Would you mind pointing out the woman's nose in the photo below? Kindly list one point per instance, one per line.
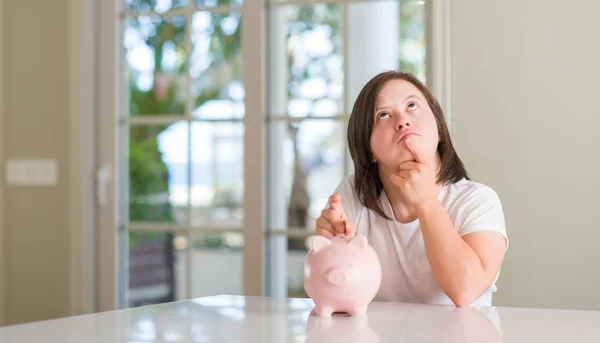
(402, 122)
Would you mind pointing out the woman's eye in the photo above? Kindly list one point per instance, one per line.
(412, 106)
(383, 115)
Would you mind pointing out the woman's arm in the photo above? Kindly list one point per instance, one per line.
(464, 267)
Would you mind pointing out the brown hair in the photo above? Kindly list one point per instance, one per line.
(367, 183)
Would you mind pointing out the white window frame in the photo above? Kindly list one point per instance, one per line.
(82, 114)
(95, 227)
(438, 30)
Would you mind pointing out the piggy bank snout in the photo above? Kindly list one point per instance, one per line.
(337, 277)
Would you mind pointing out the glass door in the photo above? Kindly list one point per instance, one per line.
(320, 54)
(180, 150)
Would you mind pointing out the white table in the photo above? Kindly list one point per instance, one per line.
(256, 319)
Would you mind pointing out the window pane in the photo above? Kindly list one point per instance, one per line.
(295, 265)
(412, 37)
(153, 266)
(313, 45)
(159, 6)
(215, 3)
(217, 174)
(155, 61)
(306, 163)
(158, 174)
(216, 65)
(217, 261)
(159, 266)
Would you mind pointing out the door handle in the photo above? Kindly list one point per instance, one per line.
(103, 179)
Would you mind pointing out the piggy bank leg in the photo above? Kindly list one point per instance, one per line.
(324, 311)
(358, 311)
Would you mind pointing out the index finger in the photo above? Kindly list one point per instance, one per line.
(335, 200)
(418, 156)
(335, 203)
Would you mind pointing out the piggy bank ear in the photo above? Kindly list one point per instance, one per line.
(360, 242)
(319, 242)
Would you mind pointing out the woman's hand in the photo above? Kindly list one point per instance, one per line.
(416, 180)
(333, 220)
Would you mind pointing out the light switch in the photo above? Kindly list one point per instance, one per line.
(31, 172)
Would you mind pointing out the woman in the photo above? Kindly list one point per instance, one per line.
(440, 237)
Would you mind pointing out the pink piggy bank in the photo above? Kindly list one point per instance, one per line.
(341, 274)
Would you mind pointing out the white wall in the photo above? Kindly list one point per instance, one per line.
(525, 79)
(2, 257)
(35, 122)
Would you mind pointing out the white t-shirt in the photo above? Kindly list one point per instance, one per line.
(406, 272)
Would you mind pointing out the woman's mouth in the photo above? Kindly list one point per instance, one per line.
(406, 135)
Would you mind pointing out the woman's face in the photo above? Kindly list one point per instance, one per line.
(401, 112)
